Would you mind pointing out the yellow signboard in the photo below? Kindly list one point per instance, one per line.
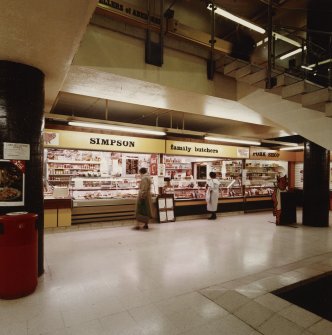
(259, 153)
(104, 142)
(205, 150)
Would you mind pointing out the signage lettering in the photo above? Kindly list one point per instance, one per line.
(214, 151)
(196, 149)
(180, 148)
(112, 4)
(265, 154)
(118, 143)
(130, 11)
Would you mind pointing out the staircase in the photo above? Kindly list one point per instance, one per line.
(298, 105)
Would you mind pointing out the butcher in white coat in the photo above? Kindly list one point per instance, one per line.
(212, 195)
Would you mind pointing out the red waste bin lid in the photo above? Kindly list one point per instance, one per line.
(14, 216)
(16, 213)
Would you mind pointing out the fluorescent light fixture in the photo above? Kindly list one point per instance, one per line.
(299, 147)
(231, 140)
(279, 37)
(292, 53)
(289, 144)
(329, 60)
(116, 128)
(265, 40)
(237, 19)
(286, 39)
(306, 67)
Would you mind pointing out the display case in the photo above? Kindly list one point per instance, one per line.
(229, 174)
(103, 188)
(62, 165)
(230, 188)
(188, 187)
(260, 176)
(177, 167)
(94, 174)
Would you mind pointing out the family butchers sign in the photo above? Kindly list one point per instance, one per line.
(205, 149)
(123, 8)
(104, 142)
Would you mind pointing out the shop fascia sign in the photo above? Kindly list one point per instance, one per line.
(205, 149)
(120, 7)
(104, 142)
(261, 153)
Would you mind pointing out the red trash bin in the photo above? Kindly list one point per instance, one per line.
(18, 255)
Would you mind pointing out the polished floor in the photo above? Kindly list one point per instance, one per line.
(196, 277)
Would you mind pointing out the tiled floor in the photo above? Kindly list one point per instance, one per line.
(192, 277)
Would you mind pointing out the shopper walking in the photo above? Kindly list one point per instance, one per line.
(212, 195)
(144, 200)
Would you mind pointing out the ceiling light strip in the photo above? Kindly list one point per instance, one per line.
(289, 144)
(231, 140)
(287, 39)
(292, 53)
(306, 67)
(329, 60)
(279, 37)
(299, 147)
(116, 128)
(236, 19)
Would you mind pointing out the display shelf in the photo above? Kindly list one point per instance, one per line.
(196, 189)
(60, 171)
(229, 173)
(103, 188)
(63, 164)
(57, 161)
(261, 177)
(230, 188)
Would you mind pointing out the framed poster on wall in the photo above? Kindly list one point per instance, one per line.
(12, 182)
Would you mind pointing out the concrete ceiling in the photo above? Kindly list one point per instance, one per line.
(47, 35)
(44, 34)
(98, 108)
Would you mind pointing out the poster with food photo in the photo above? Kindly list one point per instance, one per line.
(12, 182)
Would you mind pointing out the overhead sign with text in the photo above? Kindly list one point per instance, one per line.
(205, 149)
(270, 154)
(104, 142)
(126, 9)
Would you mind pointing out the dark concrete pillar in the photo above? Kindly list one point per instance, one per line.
(316, 185)
(22, 121)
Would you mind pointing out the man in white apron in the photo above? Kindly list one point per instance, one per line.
(212, 195)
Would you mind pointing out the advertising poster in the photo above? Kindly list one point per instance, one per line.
(154, 165)
(12, 182)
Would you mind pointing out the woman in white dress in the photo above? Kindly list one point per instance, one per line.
(212, 195)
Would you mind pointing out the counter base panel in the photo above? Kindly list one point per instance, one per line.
(193, 207)
(50, 218)
(64, 217)
(91, 214)
(253, 204)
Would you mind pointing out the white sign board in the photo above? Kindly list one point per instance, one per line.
(16, 151)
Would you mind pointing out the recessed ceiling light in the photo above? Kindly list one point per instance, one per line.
(231, 140)
(116, 128)
(236, 19)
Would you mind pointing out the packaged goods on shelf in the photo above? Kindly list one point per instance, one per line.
(95, 175)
